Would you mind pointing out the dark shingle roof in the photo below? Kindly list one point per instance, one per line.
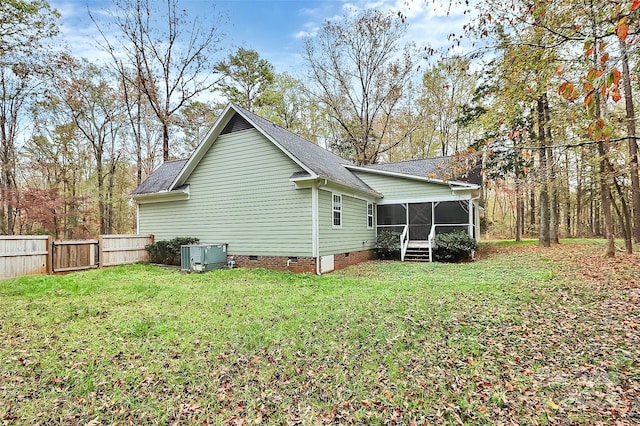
(443, 168)
(421, 168)
(322, 162)
(161, 178)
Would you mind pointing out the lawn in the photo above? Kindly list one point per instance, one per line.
(522, 335)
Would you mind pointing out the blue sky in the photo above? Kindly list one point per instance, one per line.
(274, 28)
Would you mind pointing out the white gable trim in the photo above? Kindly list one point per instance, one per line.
(451, 183)
(213, 135)
(273, 141)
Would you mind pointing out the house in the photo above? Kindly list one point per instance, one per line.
(281, 202)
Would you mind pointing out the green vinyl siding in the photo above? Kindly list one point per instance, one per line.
(398, 188)
(240, 194)
(354, 230)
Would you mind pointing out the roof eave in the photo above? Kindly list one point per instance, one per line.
(467, 185)
(309, 181)
(162, 196)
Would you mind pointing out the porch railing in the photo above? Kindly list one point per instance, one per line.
(404, 242)
(432, 235)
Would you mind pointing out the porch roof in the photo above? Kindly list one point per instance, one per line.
(438, 168)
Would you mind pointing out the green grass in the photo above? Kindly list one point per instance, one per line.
(510, 337)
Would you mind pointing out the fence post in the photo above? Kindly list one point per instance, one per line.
(100, 251)
(49, 255)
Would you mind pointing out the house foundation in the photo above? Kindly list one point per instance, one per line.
(299, 264)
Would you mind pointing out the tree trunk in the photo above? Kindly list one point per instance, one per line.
(519, 212)
(578, 217)
(605, 197)
(544, 238)
(554, 206)
(165, 141)
(633, 144)
(567, 196)
(625, 218)
(532, 210)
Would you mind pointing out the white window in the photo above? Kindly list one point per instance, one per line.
(369, 215)
(337, 211)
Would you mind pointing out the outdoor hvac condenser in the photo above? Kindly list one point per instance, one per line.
(203, 257)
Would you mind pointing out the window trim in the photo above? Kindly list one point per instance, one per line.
(370, 215)
(335, 210)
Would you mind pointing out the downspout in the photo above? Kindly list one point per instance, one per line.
(315, 241)
(137, 218)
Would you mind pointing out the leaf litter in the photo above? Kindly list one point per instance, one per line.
(563, 348)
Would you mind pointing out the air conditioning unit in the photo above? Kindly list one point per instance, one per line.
(203, 257)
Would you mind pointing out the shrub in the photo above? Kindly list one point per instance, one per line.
(453, 247)
(388, 245)
(167, 252)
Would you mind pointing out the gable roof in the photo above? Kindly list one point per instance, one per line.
(321, 162)
(161, 178)
(315, 161)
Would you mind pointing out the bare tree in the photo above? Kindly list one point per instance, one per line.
(173, 56)
(91, 103)
(25, 28)
(360, 70)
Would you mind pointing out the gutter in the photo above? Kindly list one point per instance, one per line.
(162, 196)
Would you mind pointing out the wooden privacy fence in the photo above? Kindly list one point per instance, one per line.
(74, 255)
(39, 254)
(24, 255)
(123, 249)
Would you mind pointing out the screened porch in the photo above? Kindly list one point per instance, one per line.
(418, 223)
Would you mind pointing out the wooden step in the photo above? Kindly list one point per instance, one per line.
(417, 255)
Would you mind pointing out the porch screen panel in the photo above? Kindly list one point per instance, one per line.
(392, 217)
(392, 214)
(454, 215)
(419, 221)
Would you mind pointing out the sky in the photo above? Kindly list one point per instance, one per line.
(276, 29)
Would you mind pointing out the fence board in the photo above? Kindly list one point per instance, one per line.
(123, 249)
(74, 255)
(23, 255)
(38, 254)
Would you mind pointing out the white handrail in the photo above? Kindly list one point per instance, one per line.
(432, 235)
(404, 242)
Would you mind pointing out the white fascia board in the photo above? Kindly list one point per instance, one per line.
(273, 141)
(203, 147)
(349, 191)
(408, 176)
(329, 185)
(162, 196)
(440, 198)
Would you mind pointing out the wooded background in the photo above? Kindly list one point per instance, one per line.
(543, 98)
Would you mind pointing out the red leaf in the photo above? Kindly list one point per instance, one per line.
(622, 30)
(588, 99)
(635, 5)
(615, 94)
(615, 76)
